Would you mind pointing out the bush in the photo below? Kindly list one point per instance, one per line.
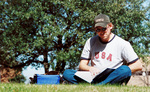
(18, 79)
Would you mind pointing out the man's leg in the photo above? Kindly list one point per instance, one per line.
(70, 77)
(118, 76)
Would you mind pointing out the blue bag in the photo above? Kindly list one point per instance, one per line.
(48, 79)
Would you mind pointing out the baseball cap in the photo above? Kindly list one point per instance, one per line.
(101, 20)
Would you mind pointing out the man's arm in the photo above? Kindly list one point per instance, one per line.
(136, 66)
(83, 66)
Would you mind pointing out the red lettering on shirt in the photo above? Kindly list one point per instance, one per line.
(103, 56)
(109, 57)
(96, 55)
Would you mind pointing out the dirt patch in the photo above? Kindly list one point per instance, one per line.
(139, 80)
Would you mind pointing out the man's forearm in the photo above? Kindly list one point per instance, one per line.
(84, 65)
(137, 66)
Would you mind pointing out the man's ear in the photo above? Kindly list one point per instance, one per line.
(111, 27)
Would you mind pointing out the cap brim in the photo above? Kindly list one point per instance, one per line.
(101, 24)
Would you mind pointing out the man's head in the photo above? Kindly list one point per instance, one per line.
(103, 27)
(101, 20)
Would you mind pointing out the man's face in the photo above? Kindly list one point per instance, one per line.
(103, 33)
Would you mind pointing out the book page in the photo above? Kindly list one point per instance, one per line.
(85, 75)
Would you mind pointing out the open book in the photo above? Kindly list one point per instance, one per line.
(86, 75)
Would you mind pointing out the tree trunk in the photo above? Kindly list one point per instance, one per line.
(46, 65)
(60, 66)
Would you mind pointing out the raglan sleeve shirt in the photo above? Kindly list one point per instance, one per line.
(86, 51)
(123, 48)
(129, 54)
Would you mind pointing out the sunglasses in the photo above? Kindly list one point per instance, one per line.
(102, 29)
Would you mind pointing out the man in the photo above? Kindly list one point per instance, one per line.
(106, 50)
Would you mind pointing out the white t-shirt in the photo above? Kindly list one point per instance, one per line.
(108, 55)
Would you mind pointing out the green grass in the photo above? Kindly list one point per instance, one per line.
(13, 87)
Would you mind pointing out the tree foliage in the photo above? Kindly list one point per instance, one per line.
(52, 33)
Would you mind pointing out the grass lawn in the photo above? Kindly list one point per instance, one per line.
(14, 87)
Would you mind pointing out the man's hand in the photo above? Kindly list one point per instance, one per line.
(83, 66)
(94, 71)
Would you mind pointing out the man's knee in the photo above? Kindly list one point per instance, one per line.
(124, 71)
(68, 73)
